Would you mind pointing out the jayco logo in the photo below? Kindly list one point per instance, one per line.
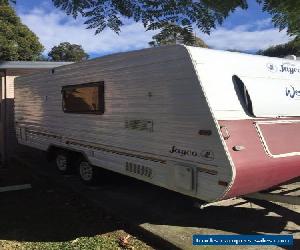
(272, 68)
(285, 67)
(183, 152)
(292, 92)
(290, 68)
(206, 154)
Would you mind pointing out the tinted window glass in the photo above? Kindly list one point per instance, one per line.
(84, 98)
(243, 94)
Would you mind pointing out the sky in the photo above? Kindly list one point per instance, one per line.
(244, 30)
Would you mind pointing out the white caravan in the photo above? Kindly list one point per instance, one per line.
(208, 124)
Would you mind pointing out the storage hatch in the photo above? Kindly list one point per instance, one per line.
(280, 138)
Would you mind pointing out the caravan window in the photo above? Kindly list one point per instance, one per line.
(84, 98)
(243, 95)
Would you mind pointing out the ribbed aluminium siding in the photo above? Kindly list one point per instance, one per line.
(155, 85)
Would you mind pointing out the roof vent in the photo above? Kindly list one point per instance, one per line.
(291, 57)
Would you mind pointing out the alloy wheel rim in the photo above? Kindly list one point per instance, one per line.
(86, 171)
(61, 162)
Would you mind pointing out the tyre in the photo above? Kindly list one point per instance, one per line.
(87, 173)
(63, 162)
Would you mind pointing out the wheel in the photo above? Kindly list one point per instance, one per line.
(88, 173)
(63, 162)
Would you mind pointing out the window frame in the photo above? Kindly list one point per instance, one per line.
(101, 97)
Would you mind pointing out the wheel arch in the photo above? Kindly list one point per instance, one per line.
(52, 149)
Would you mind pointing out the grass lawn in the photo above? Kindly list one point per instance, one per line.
(106, 241)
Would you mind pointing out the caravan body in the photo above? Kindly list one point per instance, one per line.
(208, 124)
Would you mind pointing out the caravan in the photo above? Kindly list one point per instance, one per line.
(208, 124)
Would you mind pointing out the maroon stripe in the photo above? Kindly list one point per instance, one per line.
(255, 169)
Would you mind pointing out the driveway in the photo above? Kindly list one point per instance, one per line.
(171, 217)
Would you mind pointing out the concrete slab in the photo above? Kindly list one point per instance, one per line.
(15, 188)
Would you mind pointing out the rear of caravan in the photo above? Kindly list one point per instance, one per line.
(255, 101)
(170, 116)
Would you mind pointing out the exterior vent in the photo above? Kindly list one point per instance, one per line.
(138, 169)
(142, 125)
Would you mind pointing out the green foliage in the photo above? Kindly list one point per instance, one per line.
(97, 242)
(175, 34)
(205, 14)
(199, 43)
(68, 52)
(282, 50)
(17, 42)
(285, 14)
(6, 2)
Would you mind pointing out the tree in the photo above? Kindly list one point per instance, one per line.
(282, 50)
(205, 14)
(17, 41)
(7, 2)
(68, 52)
(236, 50)
(285, 14)
(199, 43)
(174, 34)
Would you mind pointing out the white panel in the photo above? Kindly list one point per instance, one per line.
(216, 69)
(273, 97)
(204, 181)
(10, 87)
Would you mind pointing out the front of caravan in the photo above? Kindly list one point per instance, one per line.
(154, 123)
(256, 103)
